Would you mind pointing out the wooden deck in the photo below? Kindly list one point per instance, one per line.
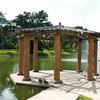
(54, 94)
(18, 79)
(74, 84)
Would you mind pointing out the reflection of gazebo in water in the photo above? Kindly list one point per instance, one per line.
(26, 35)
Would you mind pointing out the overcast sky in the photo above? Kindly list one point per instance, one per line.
(85, 13)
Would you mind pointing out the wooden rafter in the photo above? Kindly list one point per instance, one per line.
(49, 31)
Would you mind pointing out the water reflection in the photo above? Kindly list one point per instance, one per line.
(7, 94)
(9, 91)
(75, 60)
(8, 65)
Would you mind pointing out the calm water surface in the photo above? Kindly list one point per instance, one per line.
(9, 91)
(8, 65)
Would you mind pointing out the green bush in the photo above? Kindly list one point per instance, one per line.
(51, 52)
(45, 51)
(41, 53)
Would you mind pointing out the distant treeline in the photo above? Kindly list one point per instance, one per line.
(24, 20)
(28, 20)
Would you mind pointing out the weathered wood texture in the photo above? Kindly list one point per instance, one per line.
(35, 57)
(95, 57)
(91, 57)
(56, 32)
(65, 30)
(26, 57)
(57, 61)
(79, 49)
(21, 55)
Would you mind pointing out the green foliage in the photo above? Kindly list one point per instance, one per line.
(68, 46)
(30, 20)
(46, 43)
(34, 19)
(41, 53)
(51, 52)
(25, 20)
(81, 97)
(3, 20)
(46, 52)
(7, 40)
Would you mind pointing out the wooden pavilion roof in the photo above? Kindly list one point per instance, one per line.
(51, 30)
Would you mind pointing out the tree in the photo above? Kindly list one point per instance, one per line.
(35, 19)
(7, 40)
(25, 20)
(3, 20)
(31, 20)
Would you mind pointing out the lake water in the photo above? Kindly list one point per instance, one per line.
(8, 65)
(9, 91)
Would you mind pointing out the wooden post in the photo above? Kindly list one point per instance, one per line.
(26, 58)
(91, 63)
(35, 60)
(95, 57)
(79, 47)
(57, 63)
(21, 54)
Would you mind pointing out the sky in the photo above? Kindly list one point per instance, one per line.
(72, 13)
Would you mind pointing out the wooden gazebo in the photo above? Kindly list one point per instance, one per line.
(28, 34)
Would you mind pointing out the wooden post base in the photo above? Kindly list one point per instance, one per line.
(61, 69)
(96, 74)
(91, 79)
(20, 74)
(58, 82)
(35, 70)
(27, 79)
(79, 71)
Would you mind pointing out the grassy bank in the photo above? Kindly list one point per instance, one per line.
(51, 53)
(8, 52)
(41, 53)
(81, 97)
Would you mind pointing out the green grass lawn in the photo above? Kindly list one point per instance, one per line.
(52, 52)
(8, 52)
(81, 97)
(41, 53)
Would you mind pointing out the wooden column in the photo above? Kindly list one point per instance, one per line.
(79, 47)
(35, 60)
(95, 57)
(57, 63)
(91, 63)
(26, 58)
(21, 54)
